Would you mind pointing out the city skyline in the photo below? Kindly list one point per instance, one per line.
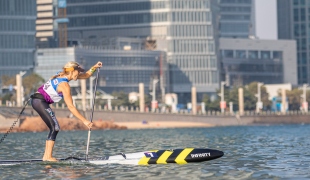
(188, 32)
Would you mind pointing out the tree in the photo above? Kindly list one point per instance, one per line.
(234, 98)
(251, 99)
(147, 101)
(211, 105)
(6, 97)
(122, 99)
(294, 99)
(31, 83)
(7, 80)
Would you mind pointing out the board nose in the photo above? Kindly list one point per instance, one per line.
(218, 154)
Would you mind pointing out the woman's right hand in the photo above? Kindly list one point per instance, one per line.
(98, 65)
(88, 124)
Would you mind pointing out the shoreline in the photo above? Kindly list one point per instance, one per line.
(106, 125)
(113, 125)
(36, 124)
(162, 124)
(134, 120)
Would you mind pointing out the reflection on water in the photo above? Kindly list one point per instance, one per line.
(253, 152)
(67, 172)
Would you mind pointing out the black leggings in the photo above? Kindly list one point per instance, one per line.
(48, 116)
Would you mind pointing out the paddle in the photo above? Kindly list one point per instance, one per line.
(92, 112)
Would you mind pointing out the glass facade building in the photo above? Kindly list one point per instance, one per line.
(193, 48)
(185, 29)
(122, 70)
(268, 61)
(236, 19)
(17, 36)
(49, 61)
(241, 70)
(293, 23)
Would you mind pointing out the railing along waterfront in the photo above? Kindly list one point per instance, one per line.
(178, 112)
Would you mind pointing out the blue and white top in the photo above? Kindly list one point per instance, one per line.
(49, 90)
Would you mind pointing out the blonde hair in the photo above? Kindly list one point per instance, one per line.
(68, 65)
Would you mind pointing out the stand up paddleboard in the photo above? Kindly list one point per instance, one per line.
(178, 156)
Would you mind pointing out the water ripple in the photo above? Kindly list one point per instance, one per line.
(251, 152)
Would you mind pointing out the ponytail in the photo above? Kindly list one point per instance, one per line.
(58, 74)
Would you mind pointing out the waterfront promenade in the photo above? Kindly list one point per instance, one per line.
(135, 119)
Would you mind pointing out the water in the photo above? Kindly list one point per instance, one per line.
(251, 152)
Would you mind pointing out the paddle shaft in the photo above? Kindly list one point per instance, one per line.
(92, 112)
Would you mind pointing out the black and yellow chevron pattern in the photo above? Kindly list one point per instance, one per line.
(180, 156)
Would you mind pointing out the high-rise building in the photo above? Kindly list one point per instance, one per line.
(185, 29)
(293, 23)
(51, 24)
(17, 36)
(44, 23)
(236, 18)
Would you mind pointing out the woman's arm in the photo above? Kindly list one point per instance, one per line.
(65, 89)
(90, 72)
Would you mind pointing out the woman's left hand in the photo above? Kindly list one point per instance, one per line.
(98, 65)
(88, 124)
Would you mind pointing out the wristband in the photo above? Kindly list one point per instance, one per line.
(92, 69)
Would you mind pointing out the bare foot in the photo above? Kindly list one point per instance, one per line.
(52, 159)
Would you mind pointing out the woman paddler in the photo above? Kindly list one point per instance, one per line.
(53, 91)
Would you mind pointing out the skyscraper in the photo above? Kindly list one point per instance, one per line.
(236, 18)
(44, 23)
(185, 29)
(293, 23)
(17, 36)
